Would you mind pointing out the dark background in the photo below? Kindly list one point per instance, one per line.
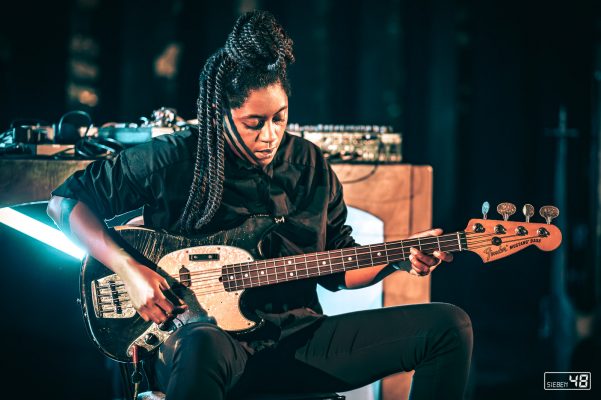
(476, 89)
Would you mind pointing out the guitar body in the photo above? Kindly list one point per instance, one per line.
(192, 266)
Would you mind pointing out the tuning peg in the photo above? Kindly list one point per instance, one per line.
(549, 213)
(506, 210)
(528, 211)
(485, 208)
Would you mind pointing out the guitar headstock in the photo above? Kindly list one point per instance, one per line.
(496, 239)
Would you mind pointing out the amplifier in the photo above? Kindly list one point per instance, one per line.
(353, 143)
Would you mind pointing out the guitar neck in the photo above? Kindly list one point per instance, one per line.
(267, 272)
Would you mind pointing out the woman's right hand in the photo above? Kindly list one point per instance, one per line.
(145, 288)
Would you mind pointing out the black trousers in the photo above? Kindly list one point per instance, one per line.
(338, 353)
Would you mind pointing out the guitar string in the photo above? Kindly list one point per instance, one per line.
(268, 275)
(472, 245)
(335, 264)
(389, 247)
(393, 247)
(360, 256)
(240, 282)
(221, 285)
(222, 288)
(335, 260)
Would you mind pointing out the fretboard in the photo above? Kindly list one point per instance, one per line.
(276, 270)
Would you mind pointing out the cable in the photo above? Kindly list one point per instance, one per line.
(87, 147)
(74, 112)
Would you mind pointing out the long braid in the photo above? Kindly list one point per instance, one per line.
(207, 182)
(257, 43)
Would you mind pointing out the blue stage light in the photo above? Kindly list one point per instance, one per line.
(40, 231)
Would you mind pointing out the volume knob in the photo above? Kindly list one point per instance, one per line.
(151, 339)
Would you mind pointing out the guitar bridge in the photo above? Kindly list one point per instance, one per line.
(110, 299)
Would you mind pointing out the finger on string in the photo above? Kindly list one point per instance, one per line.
(424, 258)
(415, 263)
(443, 256)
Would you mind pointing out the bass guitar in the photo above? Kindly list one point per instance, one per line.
(212, 272)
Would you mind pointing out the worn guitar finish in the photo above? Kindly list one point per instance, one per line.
(114, 325)
(210, 273)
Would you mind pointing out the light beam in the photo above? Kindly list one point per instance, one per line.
(40, 231)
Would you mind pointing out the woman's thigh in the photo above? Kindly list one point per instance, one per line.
(348, 351)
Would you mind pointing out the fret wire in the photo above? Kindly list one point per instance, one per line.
(403, 252)
(269, 275)
(307, 265)
(262, 272)
(319, 262)
(386, 253)
(250, 275)
(273, 267)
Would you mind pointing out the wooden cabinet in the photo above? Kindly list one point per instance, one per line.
(401, 196)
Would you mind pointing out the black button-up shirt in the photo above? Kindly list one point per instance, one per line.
(298, 184)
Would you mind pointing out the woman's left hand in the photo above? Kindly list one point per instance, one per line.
(421, 263)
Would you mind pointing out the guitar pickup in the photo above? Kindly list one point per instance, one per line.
(204, 257)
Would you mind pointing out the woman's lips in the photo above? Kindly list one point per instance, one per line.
(264, 153)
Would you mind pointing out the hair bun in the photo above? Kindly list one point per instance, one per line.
(258, 40)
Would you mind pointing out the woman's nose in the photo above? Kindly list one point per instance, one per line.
(269, 132)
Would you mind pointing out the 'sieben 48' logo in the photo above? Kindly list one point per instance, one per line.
(567, 381)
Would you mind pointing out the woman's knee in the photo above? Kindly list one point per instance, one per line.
(201, 339)
(454, 322)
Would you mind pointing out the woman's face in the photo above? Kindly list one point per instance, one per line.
(261, 121)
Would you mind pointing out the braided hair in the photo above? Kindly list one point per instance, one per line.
(256, 54)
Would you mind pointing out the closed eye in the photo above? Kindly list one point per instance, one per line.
(257, 127)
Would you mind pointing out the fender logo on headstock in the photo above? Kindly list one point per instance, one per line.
(490, 253)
